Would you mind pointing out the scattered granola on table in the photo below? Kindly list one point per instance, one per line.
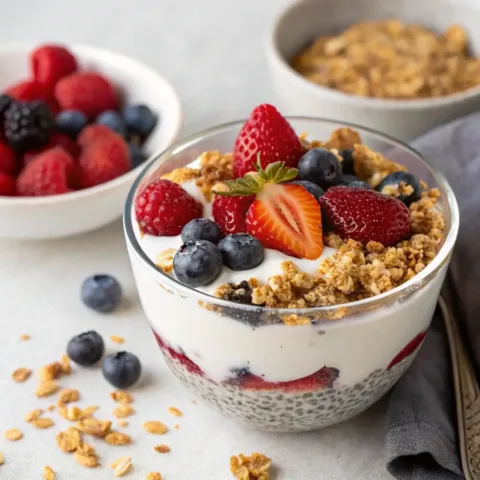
(253, 467)
(391, 59)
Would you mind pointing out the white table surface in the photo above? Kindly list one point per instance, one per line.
(211, 50)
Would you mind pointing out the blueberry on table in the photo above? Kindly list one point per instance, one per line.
(353, 181)
(241, 251)
(407, 185)
(201, 229)
(139, 119)
(121, 369)
(101, 293)
(320, 166)
(112, 120)
(86, 349)
(197, 263)
(71, 122)
(137, 157)
(347, 163)
(315, 190)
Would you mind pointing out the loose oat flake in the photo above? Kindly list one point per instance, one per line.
(121, 396)
(85, 455)
(122, 466)
(69, 395)
(162, 448)
(92, 426)
(21, 374)
(153, 476)
(50, 372)
(69, 440)
(48, 473)
(33, 415)
(156, 427)
(123, 410)
(13, 434)
(47, 388)
(175, 412)
(118, 438)
(255, 467)
(24, 337)
(117, 339)
(42, 423)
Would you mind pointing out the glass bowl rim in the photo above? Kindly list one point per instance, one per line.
(412, 285)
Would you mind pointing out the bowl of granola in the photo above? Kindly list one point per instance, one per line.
(402, 72)
(291, 282)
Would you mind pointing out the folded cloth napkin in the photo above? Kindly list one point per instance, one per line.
(421, 441)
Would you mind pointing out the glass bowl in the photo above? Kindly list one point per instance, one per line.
(246, 360)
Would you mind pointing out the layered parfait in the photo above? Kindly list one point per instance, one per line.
(259, 256)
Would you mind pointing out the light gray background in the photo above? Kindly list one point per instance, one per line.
(211, 51)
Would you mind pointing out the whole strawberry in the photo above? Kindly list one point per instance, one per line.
(88, 92)
(267, 137)
(230, 213)
(50, 173)
(103, 160)
(92, 133)
(163, 208)
(30, 90)
(365, 215)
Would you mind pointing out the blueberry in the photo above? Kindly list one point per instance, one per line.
(353, 181)
(71, 122)
(139, 119)
(121, 369)
(197, 263)
(201, 229)
(137, 157)
(321, 167)
(241, 251)
(405, 179)
(347, 164)
(315, 190)
(101, 293)
(86, 349)
(112, 120)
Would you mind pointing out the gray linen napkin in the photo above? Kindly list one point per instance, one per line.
(421, 441)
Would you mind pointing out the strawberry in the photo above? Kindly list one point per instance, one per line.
(29, 90)
(50, 63)
(92, 133)
(365, 215)
(323, 378)
(91, 93)
(230, 213)
(50, 173)
(408, 349)
(283, 216)
(103, 160)
(7, 185)
(268, 136)
(163, 208)
(56, 140)
(8, 160)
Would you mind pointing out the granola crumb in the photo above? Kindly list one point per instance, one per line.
(65, 364)
(254, 467)
(155, 427)
(182, 175)
(153, 476)
(175, 412)
(48, 473)
(21, 375)
(85, 455)
(47, 388)
(50, 372)
(92, 426)
(24, 337)
(121, 396)
(122, 423)
(164, 260)
(214, 167)
(176, 427)
(118, 438)
(2, 459)
(69, 440)
(122, 466)
(162, 448)
(42, 423)
(123, 410)
(117, 339)
(89, 411)
(33, 415)
(50, 408)
(69, 395)
(13, 434)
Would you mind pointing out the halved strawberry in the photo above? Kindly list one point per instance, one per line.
(284, 217)
(268, 135)
(408, 349)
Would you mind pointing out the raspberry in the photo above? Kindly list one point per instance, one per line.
(7, 185)
(8, 160)
(50, 63)
(50, 173)
(91, 93)
(92, 133)
(104, 160)
(30, 90)
(230, 213)
(164, 208)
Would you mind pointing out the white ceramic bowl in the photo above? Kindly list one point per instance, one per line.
(92, 208)
(299, 24)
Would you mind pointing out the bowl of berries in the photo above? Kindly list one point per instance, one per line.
(76, 126)
(291, 282)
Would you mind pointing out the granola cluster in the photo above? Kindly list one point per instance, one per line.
(253, 467)
(391, 59)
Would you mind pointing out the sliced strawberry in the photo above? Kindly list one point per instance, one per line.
(287, 218)
(230, 213)
(408, 349)
(266, 135)
(323, 378)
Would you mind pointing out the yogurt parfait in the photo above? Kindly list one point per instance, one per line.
(290, 282)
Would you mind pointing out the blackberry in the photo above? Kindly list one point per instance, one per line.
(5, 102)
(28, 125)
